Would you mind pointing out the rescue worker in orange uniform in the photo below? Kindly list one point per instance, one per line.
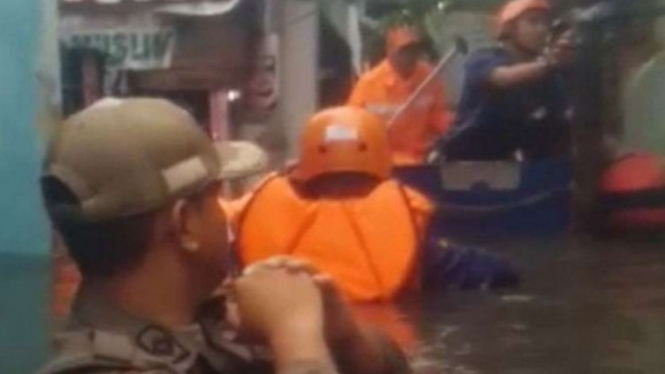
(390, 84)
(340, 210)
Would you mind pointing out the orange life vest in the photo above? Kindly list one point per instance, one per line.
(633, 174)
(369, 245)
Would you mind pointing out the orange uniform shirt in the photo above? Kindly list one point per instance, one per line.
(382, 91)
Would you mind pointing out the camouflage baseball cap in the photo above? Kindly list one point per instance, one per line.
(122, 157)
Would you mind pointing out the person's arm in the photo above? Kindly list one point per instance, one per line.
(559, 55)
(368, 351)
(298, 351)
(286, 311)
(509, 76)
(354, 349)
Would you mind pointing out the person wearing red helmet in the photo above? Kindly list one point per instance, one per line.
(513, 97)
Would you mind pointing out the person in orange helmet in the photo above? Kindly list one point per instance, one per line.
(513, 97)
(340, 209)
(390, 84)
(341, 212)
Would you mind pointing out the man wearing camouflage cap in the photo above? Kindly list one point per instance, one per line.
(132, 187)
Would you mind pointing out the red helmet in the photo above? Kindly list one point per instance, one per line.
(515, 9)
(343, 139)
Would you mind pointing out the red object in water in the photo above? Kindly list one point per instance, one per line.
(635, 173)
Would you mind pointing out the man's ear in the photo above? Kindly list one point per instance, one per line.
(183, 222)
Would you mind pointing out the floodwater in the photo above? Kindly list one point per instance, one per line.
(24, 313)
(583, 307)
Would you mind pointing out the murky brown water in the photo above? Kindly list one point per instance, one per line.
(584, 307)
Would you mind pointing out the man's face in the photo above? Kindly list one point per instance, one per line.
(532, 31)
(209, 229)
(405, 60)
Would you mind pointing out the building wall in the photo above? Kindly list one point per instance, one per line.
(20, 154)
(209, 52)
(23, 228)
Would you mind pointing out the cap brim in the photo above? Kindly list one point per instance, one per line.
(239, 159)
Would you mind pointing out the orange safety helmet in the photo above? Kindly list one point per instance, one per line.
(400, 36)
(515, 9)
(343, 139)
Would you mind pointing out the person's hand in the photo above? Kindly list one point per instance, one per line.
(339, 321)
(286, 310)
(289, 264)
(357, 350)
(273, 302)
(562, 52)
